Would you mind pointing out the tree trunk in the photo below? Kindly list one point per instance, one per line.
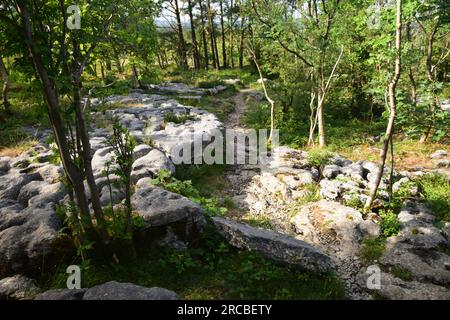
(5, 78)
(230, 18)
(194, 37)
(216, 62)
(320, 120)
(102, 70)
(86, 155)
(205, 42)
(392, 105)
(52, 102)
(272, 103)
(222, 27)
(241, 44)
(136, 82)
(181, 42)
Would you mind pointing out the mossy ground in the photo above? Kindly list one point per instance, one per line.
(213, 270)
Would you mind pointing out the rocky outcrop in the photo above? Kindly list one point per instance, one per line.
(333, 227)
(418, 252)
(30, 184)
(29, 239)
(29, 226)
(18, 287)
(275, 246)
(112, 290)
(393, 288)
(126, 291)
(167, 214)
(146, 121)
(61, 294)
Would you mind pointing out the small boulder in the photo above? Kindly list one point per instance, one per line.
(150, 165)
(114, 290)
(333, 226)
(161, 209)
(61, 294)
(438, 154)
(18, 287)
(331, 171)
(272, 245)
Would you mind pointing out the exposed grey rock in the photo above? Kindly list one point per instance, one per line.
(396, 289)
(10, 214)
(340, 161)
(143, 183)
(4, 164)
(100, 159)
(438, 154)
(444, 163)
(126, 291)
(49, 196)
(331, 171)
(417, 227)
(140, 151)
(330, 189)
(161, 209)
(369, 166)
(28, 243)
(333, 227)
(150, 164)
(114, 197)
(18, 287)
(178, 88)
(232, 81)
(446, 230)
(417, 246)
(61, 294)
(272, 185)
(413, 190)
(423, 264)
(51, 173)
(354, 170)
(11, 184)
(273, 245)
(28, 191)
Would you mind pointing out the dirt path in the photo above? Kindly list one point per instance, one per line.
(238, 176)
(234, 120)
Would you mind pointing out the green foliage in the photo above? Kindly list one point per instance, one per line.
(390, 225)
(258, 221)
(401, 273)
(185, 188)
(213, 270)
(435, 189)
(354, 201)
(177, 118)
(319, 157)
(210, 84)
(371, 250)
(116, 223)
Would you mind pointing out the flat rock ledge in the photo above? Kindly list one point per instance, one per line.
(173, 219)
(275, 246)
(112, 290)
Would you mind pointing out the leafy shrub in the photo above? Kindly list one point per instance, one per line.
(185, 188)
(319, 157)
(435, 188)
(177, 118)
(390, 225)
(208, 84)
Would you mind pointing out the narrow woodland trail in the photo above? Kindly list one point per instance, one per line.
(234, 121)
(238, 176)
